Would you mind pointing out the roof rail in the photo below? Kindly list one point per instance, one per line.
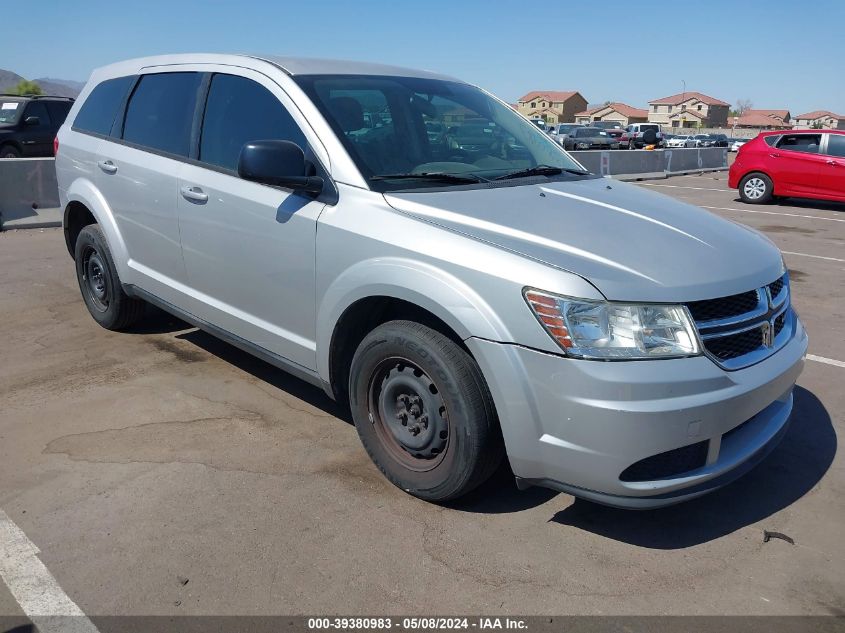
(9, 94)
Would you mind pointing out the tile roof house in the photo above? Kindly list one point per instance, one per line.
(621, 112)
(763, 119)
(821, 118)
(689, 109)
(553, 106)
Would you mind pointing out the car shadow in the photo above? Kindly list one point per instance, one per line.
(266, 372)
(787, 474)
(806, 203)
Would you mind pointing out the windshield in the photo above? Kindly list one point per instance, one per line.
(589, 131)
(483, 139)
(10, 111)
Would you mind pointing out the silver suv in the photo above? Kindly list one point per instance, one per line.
(425, 254)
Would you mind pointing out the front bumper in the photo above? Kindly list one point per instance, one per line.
(581, 426)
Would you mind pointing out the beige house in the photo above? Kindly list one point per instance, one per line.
(821, 119)
(763, 120)
(689, 109)
(619, 112)
(552, 106)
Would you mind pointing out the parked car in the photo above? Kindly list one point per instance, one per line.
(642, 134)
(496, 302)
(736, 143)
(681, 141)
(589, 138)
(800, 164)
(718, 140)
(702, 140)
(29, 124)
(540, 123)
(608, 125)
(560, 131)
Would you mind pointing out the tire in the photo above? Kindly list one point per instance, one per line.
(99, 283)
(9, 151)
(756, 188)
(423, 411)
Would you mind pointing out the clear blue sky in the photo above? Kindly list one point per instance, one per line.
(777, 54)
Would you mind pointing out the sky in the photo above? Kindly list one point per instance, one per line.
(777, 54)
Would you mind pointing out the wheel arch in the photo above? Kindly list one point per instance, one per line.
(84, 203)
(373, 292)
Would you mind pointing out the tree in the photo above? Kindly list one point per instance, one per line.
(742, 106)
(26, 87)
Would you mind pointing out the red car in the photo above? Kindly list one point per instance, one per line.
(795, 163)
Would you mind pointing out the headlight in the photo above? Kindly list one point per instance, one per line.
(614, 331)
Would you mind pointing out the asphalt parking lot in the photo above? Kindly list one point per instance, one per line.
(163, 472)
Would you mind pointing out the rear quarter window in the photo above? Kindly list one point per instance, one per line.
(100, 109)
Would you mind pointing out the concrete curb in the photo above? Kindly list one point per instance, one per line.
(41, 219)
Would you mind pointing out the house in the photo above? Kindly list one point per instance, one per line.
(551, 105)
(821, 119)
(689, 109)
(763, 120)
(620, 112)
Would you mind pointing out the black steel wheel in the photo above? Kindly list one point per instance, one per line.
(99, 283)
(423, 411)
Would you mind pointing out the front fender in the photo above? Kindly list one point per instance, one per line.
(442, 294)
(83, 191)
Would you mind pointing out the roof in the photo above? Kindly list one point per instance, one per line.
(553, 95)
(622, 108)
(290, 65)
(818, 114)
(781, 114)
(756, 119)
(684, 96)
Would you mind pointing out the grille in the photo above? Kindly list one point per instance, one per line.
(723, 308)
(668, 464)
(780, 322)
(735, 345)
(775, 287)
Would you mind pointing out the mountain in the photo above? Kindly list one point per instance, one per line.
(50, 86)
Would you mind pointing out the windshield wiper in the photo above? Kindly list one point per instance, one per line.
(542, 170)
(432, 175)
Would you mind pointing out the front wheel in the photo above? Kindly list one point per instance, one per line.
(9, 151)
(756, 189)
(423, 411)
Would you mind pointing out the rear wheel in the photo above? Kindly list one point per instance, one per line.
(756, 189)
(423, 411)
(9, 151)
(101, 289)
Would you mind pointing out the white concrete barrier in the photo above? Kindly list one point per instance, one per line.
(29, 195)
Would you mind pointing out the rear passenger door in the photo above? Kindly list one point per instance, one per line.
(138, 174)
(832, 177)
(37, 137)
(249, 248)
(796, 164)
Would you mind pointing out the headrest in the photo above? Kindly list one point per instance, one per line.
(348, 112)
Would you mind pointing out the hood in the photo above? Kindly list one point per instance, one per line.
(632, 244)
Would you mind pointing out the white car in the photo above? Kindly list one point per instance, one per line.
(681, 141)
(737, 143)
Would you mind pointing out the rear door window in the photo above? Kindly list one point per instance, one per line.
(98, 112)
(160, 113)
(38, 109)
(240, 110)
(806, 143)
(58, 111)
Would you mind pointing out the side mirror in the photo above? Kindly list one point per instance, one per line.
(277, 163)
(32, 120)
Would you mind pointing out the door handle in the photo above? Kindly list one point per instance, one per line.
(774, 155)
(832, 162)
(107, 166)
(194, 194)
